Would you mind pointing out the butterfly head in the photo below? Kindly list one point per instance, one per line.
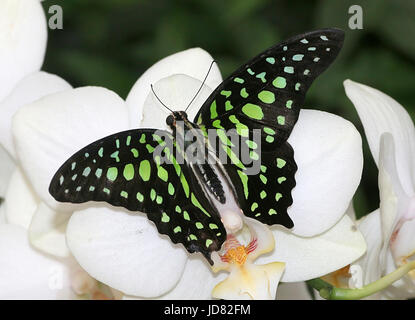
(174, 117)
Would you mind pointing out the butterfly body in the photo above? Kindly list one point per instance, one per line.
(233, 160)
(208, 169)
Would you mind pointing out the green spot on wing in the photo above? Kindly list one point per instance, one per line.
(253, 111)
(186, 216)
(112, 173)
(208, 243)
(266, 96)
(213, 112)
(279, 82)
(128, 172)
(244, 179)
(171, 189)
(226, 93)
(270, 60)
(135, 152)
(145, 170)
(162, 174)
(199, 225)
(244, 93)
(165, 218)
(139, 197)
(281, 163)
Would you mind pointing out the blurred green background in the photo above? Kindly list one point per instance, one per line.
(111, 42)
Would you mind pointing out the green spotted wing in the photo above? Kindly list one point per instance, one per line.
(123, 170)
(266, 94)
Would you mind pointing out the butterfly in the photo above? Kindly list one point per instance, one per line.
(148, 170)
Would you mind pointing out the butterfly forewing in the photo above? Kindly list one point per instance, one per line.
(266, 94)
(141, 171)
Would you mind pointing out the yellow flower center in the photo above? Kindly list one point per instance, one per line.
(236, 255)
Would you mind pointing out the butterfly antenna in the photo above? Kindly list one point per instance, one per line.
(211, 65)
(152, 89)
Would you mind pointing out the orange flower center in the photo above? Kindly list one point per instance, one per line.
(236, 255)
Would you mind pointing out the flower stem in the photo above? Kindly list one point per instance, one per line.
(330, 292)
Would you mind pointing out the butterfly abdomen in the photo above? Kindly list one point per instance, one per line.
(212, 181)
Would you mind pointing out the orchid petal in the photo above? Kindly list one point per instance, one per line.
(21, 202)
(125, 251)
(27, 273)
(6, 169)
(175, 91)
(329, 157)
(308, 258)
(371, 269)
(23, 36)
(193, 62)
(404, 288)
(403, 246)
(50, 130)
(47, 231)
(189, 286)
(30, 89)
(293, 291)
(393, 200)
(380, 113)
(2, 214)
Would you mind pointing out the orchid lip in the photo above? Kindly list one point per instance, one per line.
(236, 253)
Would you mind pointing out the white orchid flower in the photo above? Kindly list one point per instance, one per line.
(389, 230)
(26, 273)
(22, 30)
(124, 250)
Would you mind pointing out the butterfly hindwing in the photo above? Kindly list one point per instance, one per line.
(267, 195)
(266, 94)
(123, 170)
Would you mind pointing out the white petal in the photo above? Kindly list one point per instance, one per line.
(380, 113)
(125, 251)
(2, 214)
(50, 130)
(30, 89)
(196, 283)
(193, 62)
(6, 170)
(404, 244)
(394, 204)
(174, 91)
(404, 288)
(328, 152)
(23, 36)
(369, 263)
(28, 274)
(293, 291)
(21, 202)
(308, 258)
(47, 231)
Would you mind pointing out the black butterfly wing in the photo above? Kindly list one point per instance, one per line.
(266, 94)
(142, 170)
